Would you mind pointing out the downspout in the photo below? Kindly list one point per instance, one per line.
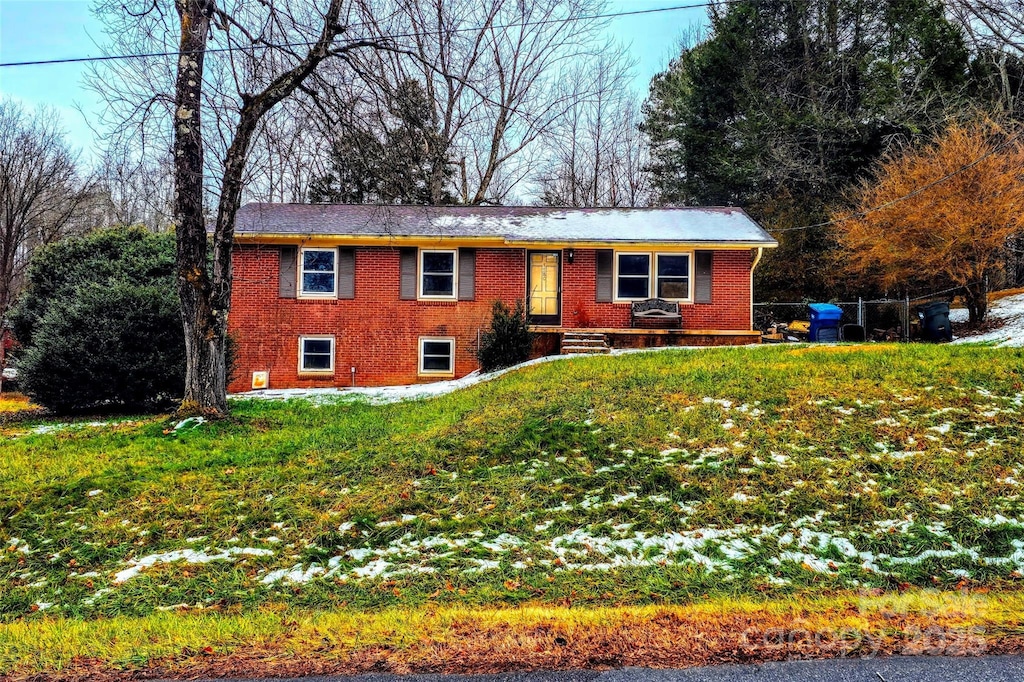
(753, 266)
(757, 259)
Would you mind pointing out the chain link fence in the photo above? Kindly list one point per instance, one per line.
(884, 319)
(887, 319)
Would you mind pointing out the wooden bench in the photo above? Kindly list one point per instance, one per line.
(656, 313)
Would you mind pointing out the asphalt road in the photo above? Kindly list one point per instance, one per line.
(894, 669)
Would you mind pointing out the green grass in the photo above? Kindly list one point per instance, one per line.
(743, 473)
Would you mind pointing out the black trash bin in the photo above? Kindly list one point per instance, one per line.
(935, 321)
(853, 332)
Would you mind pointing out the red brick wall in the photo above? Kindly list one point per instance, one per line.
(730, 295)
(378, 334)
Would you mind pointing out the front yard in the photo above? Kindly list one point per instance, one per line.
(761, 480)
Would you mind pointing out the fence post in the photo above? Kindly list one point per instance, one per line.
(860, 311)
(906, 318)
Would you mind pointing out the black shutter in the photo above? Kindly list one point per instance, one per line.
(346, 273)
(407, 274)
(467, 274)
(604, 275)
(287, 275)
(702, 283)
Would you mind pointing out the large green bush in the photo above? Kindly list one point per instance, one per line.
(99, 323)
(508, 341)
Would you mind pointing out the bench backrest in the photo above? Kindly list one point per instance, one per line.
(655, 307)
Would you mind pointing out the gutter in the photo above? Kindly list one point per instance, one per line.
(757, 259)
(753, 266)
(369, 240)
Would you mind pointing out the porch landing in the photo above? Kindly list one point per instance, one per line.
(558, 340)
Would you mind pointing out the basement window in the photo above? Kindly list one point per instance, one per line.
(437, 356)
(316, 354)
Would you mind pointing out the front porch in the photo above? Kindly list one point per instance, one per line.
(566, 340)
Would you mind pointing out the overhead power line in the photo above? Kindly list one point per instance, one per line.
(909, 195)
(414, 34)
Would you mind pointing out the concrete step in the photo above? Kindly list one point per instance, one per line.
(577, 342)
(584, 342)
(573, 350)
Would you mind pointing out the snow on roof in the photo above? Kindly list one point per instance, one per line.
(510, 223)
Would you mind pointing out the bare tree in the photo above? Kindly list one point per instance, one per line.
(262, 53)
(995, 29)
(133, 190)
(998, 22)
(493, 72)
(596, 154)
(41, 195)
(41, 191)
(286, 154)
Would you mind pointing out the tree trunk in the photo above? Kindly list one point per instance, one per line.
(206, 298)
(204, 333)
(976, 298)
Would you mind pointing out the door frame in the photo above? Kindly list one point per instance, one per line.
(544, 320)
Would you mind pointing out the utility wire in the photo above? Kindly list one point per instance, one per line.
(909, 195)
(415, 34)
(539, 22)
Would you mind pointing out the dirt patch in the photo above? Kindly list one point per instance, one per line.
(668, 639)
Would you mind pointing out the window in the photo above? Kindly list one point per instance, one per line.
(634, 276)
(437, 274)
(674, 276)
(316, 354)
(645, 275)
(319, 272)
(437, 356)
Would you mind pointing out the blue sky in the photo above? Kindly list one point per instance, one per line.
(51, 29)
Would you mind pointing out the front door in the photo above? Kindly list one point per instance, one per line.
(544, 287)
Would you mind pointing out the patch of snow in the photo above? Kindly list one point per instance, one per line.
(1010, 311)
(18, 545)
(61, 426)
(190, 423)
(483, 565)
(189, 556)
(392, 394)
(502, 543)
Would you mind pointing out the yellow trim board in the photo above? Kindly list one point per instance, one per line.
(455, 242)
(540, 329)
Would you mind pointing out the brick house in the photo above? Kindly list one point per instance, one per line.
(341, 295)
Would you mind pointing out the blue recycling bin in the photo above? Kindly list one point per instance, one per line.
(824, 322)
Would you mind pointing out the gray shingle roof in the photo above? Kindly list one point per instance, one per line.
(510, 223)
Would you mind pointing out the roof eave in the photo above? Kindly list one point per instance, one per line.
(396, 240)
